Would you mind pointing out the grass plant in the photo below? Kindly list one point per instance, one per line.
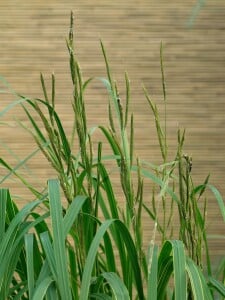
(82, 244)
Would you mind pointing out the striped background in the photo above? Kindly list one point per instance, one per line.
(32, 40)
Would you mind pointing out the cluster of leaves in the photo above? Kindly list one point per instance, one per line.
(83, 245)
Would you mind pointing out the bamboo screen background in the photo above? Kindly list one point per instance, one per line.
(32, 40)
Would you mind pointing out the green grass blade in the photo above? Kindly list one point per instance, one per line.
(179, 270)
(12, 243)
(62, 134)
(119, 289)
(72, 213)
(109, 253)
(35, 126)
(131, 139)
(208, 295)
(127, 98)
(44, 87)
(113, 97)
(106, 183)
(114, 145)
(59, 247)
(217, 285)
(29, 241)
(219, 199)
(107, 65)
(52, 293)
(195, 12)
(44, 273)
(8, 267)
(197, 285)
(3, 201)
(73, 272)
(201, 188)
(11, 105)
(7, 85)
(153, 216)
(63, 137)
(110, 210)
(13, 226)
(49, 253)
(14, 256)
(178, 267)
(86, 83)
(132, 256)
(162, 72)
(98, 296)
(158, 181)
(13, 171)
(165, 269)
(152, 273)
(86, 279)
(41, 289)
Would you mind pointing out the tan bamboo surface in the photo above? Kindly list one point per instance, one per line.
(32, 40)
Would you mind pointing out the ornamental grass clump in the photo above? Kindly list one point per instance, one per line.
(75, 240)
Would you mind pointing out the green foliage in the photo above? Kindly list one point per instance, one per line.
(195, 12)
(75, 241)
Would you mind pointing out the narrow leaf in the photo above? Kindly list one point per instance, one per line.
(195, 280)
(72, 213)
(152, 273)
(59, 239)
(42, 288)
(29, 240)
(119, 289)
(3, 201)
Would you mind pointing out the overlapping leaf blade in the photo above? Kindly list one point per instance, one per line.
(58, 233)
